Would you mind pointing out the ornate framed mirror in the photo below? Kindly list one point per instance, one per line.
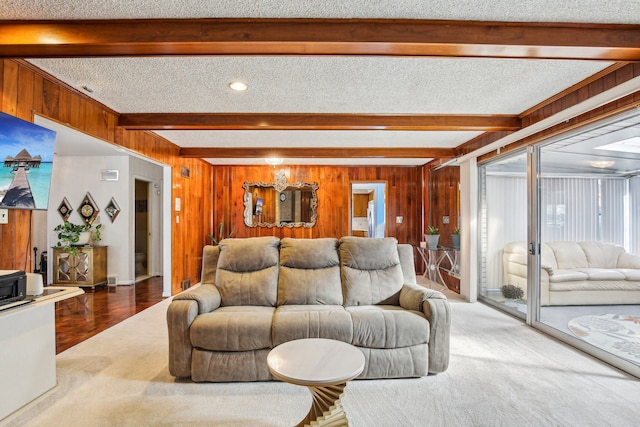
(278, 204)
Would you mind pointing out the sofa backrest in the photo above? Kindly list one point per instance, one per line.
(601, 254)
(247, 271)
(210, 255)
(370, 270)
(309, 272)
(565, 255)
(516, 254)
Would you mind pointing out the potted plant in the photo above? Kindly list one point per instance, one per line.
(455, 238)
(432, 237)
(216, 240)
(515, 296)
(72, 235)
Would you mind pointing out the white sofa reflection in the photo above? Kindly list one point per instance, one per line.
(577, 273)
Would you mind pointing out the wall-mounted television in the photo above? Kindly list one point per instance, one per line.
(26, 153)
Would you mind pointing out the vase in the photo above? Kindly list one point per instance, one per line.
(455, 239)
(432, 241)
(83, 239)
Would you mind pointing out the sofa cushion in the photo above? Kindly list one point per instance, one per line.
(596, 285)
(569, 255)
(234, 328)
(309, 272)
(627, 260)
(370, 270)
(601, 255)
(560, 276)
(630, 274)
(247, 272)
(292, 322)
(386, 326)
(602, 274)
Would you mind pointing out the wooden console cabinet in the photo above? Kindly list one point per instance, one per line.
(88, 268)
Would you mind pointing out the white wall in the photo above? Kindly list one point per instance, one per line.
(73, 177)
(152, 173)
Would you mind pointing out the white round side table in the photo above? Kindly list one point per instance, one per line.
(324, 366)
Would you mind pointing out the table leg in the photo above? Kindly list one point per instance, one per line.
(326, 409)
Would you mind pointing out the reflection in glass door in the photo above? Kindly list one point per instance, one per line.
(503, 233)
(584, 287)
(590, 263)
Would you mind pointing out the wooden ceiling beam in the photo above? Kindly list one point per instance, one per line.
(313, 121)
(392, 37)
(307, 152)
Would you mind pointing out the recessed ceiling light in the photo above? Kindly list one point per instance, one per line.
(87, 89)
(238, 86)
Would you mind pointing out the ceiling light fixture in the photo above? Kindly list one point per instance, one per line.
(87, 89)
(602, 164)
(238, 86)
(273, 161)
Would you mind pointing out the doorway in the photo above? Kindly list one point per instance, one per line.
(368, 209)
(141, 253)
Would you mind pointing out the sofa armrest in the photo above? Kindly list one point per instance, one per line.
(206, 296)
(412, 296)
(180, 315)
(182, 311)
(436, 309)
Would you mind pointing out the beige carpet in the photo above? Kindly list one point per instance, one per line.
(502, 373)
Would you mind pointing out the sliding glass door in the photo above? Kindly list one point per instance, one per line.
(560, 238)
(589, 283)
(503, 233)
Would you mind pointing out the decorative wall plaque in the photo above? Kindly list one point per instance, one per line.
(64, 209)
(112, 209)
(88, 209)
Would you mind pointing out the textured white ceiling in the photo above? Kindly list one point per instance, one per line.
(375, 85)
(321, 84)
(610, 11)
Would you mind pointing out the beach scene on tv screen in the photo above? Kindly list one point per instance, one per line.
(26, 151)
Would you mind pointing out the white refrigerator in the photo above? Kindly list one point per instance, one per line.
(371, 219)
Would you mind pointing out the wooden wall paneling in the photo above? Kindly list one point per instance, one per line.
(8, 245)
(334, 195)
(25, 83)
(9, 87)
(445, 200)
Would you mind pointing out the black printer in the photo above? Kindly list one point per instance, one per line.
(13, 286)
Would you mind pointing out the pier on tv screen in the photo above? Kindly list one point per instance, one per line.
(26, 153)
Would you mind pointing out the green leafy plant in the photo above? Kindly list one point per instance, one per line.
(69, 235)
(216, 240)
(432, 230)
(456, 230)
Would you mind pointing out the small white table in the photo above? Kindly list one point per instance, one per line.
(322, 365)
(28, 348)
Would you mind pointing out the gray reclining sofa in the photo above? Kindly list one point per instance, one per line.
(259, 292)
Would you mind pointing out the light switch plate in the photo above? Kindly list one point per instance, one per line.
(4, 216)
(399, 220)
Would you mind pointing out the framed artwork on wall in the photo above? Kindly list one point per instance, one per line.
(88, 209)
(64, 209)
(112, 209)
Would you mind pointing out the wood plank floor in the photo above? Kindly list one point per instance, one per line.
(84, 316)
